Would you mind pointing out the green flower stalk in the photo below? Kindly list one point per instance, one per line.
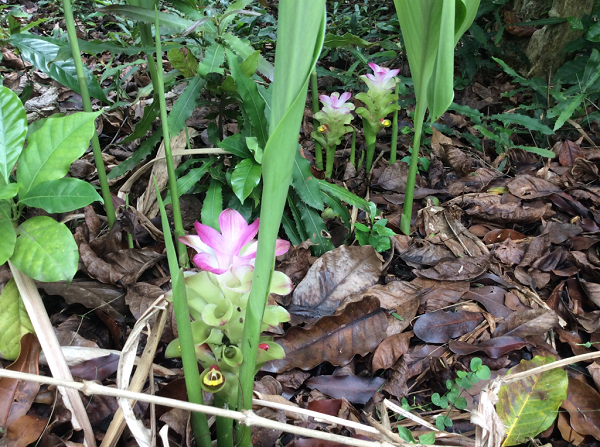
(380, 101)
(334, 118)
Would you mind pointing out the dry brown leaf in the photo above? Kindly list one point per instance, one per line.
(390, 350)
(457, 270)
(530, 187)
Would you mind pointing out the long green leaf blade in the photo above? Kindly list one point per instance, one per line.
(13, 129)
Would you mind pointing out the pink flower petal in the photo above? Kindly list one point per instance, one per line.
(210, 237)
(325, 99)
(376, 68)
(281, 247)
(236, 232)
(249, 251)
(207, 262)
(195, 242)
(345, 97)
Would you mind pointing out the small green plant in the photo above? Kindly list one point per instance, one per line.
(452, 398)
(378, 235)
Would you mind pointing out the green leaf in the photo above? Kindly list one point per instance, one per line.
(213, 205)
(13, 128)
(6, 209)
(483, 373)
(147, 16)
(593, 34)
(305, 184)
(14, 321)
(244, 50)
(405, 434)
(250, 65)
(292, 201)
(51, 150)
(333, 41)
(9, 191)
(45, 250)
(185, 183)
(245, 177)
(234, 146)
(144, 125)
(336, 205)
(8, 239)
(181, 111)
(42, 52)
(290, 230)
(592, 70)
(256, 150)
(183, 60)
(523, 120)
(316, 229)
(254, 104)
(213, 59)
(475, 364)
(427, 439)
(529, 406)
(537, 150)
(344, 195)
(61, 195)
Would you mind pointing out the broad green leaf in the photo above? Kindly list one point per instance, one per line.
(9, 191)
(42, 52)
(14, 321)
(145, 124)
(593, 34)
(256, 150)
(61, 195)
(213, 59)
(250, 64)
(316, 229)
(185, 183)
(8, 239)
(213, 205)
(592, 70)
(183, 60)
(523, 120)
(234, 146)
(336, 205)
(293, 201)
(147, 16)
(45, 250)
(254, 104)
(51, 150)
(245, 177)
(537, 150)
(529, 406)
(6, 209)
(568, 110)
(290, 229)
(344, 195)
(333, 41)
(181, 111)
(13, 128)
(305, 184)
(244, 50)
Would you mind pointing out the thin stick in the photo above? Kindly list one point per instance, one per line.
(87, 106)
(246, 417)
(56, 361)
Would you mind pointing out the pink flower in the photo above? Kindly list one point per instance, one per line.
(382, 79)
(337, 104)
(234, 247)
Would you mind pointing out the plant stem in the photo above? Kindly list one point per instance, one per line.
(330, 153)
(370, 139)
(184, 328)
(87, 106)
(177, 220)
(224, 425)
(412, 169)
(129, 235)
(353, 146)
(314, 89)
(394, 143)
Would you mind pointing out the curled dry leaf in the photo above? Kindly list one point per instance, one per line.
(493, 348)
(509, 253)
(424, 253)
(529, 187)
(504, 213)
(336, 339)
(500, 235)
(528, 323)
(492, 298)
(337, 274)
(582, 403)
(457, 270)
(25, 430)
(353, 388)
(390, 350)
(140, 296)
(537, 248)
(441, 326)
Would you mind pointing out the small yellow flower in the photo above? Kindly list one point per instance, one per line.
(323, 128)
(385, 123)
(214, 377)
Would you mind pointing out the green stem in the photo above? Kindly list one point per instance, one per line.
(224, 425)
(184, 328)
(370, 139)
(160, 92)
(129, 235)
(412, 169)
(394, 143)
(330, 152)
(314, 89)
(87, 106)
(353, 146)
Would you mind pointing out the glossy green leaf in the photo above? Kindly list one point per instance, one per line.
(13, 129)
(145, 124)
(245, 177)
(523, 120)
(336, 205)
(147, 16)
(61, 195)
(213, 59)
(14, 321)
(568, 110)
(185, 183)
(250, 64)
(529, 406)
(289, 226)
(316, 229)
(8, 239)
(536, 150)
(254, 104)
(51, 150)
(183, 60)
(244, 50)
(333, 41)
(42, 52)
(45, 250)
(234, 145)
(305, 184)
(212, 205)
(181, 111)
(344, 195)
(6, 209)
(9, 191)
